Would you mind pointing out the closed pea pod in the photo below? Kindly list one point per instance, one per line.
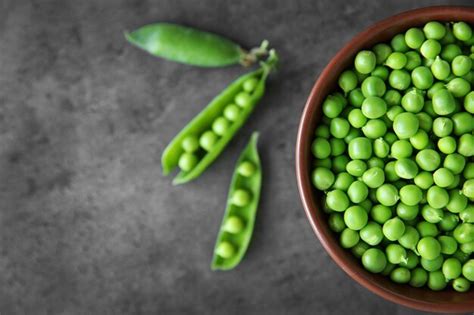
(202, 123)
(238, 222)
(191, 46)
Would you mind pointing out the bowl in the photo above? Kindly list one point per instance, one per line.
(417, 298)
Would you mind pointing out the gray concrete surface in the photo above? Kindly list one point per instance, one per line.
(88, 225)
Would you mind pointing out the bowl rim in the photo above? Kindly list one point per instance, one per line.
(306, 127)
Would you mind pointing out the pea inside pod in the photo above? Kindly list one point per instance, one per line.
(242, 202)
(216, 125)
(191, 46)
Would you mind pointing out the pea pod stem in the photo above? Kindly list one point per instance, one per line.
(204, 119)
(239, 240)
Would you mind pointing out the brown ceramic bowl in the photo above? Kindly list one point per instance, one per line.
(418, 298)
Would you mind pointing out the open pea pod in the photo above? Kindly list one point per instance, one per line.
(199, 158)
(242, 203)
(191, 46)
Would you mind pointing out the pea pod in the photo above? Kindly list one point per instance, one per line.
(191, 46)
(239, 217)
(194, 158)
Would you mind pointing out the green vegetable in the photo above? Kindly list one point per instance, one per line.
(239, 217)
(191, 46)
(211, 143)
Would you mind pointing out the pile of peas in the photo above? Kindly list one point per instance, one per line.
(195, 147)
(394, 157)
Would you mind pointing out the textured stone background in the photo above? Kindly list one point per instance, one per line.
(88, 225)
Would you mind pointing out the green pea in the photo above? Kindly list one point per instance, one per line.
(434, 88)
(442, 126)
(450, 51)
(398, 43)
(469, 102)
(233, 225)
(225, 250)
(337, 200)
(434, 30)
(347, 81)
(413, 101)
(207, 140)
(427, 229)
(332, 106)
(410, 238)
(396, 254)
(321, 148)
(467, 248)
(356, 97)
(443, 177)
(449, 222)
(374, 177)
(428, 108)
(387, 195)
(401, 149)
(436, 280)
(467, 215)
(249, 85)
(451, 268)
(336, 222)
(468, 172)
(461, 65)
(462, 31)
(455, 163)
(390, 137)
(338, 146)
(420, 140)
(393, 97)
(468, 270)
(393, 111)
(393, 229)
(241, 198)
(343, 181)
(322, 178)
(432, 264)
(447, 145)
(464, 233)
(419, 277)
(448, 244)
(356, 167)
(400, 275)
(360, 149)
(231, 112)
(428, 159)
(463, 123)
(413, 60)
(357, 191)
(190, 144)
(353, 133)
(366, 204)
(406, 168)
(374, 107)
(247, 169)
(220, 126)
(422, 78)
(405, 125)
(243, 99)
(432, 215)
(371, 233)
(437, 197)
(428, 248)
(443, 102)
(382, 51)
(339, 163)
(187, 161)
(373, 86)
(424, 180)
(414, 38)
(461, 256)
(374, 128)
(365, 61)
(359, 249)
(430, 48)
(356, 118)
(380, 213)
(461, 284)
(410, 195)
(349, 238)
(440, 69)
(381, 148)
(407, 212)
(374, 260)
(466, 145)
(459, 87)
(399, 79)
(339, 127)
(380, 72)
(396, 60)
